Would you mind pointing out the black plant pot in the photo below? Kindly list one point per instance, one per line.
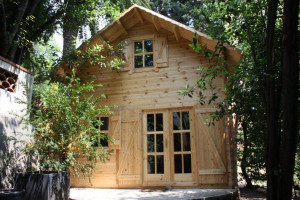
(11, 194)
(44, 186)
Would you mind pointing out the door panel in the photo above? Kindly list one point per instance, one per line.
(129, 156)
(212, 164)
(156, 154)
(181, 150)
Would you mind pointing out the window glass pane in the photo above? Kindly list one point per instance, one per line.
(148, 46)
(187, 163)
(138, 61)
(104, 126)
(151, 166)
(95, 140)
(138, 47)
(159, 143)
(159, 122)
(186, 141)
(176, 120)
(177, 142)
(150, 122)
(185, 121)
(150, 142)
(96, 124)
(149, 60)
(104, 140)
(160, 164)
(177, 164)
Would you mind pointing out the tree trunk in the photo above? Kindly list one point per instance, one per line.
(70, 32)
(272, 107)
(290, 84)
(245, 155)
(18, 18)
(4, 38)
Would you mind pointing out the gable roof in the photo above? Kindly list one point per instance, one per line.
(138, 14)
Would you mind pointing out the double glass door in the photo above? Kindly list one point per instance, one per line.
(167, 147)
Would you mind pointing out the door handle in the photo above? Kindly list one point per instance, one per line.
(166, 141)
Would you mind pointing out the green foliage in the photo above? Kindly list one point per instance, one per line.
(215, 68)
(297, 172)
(65, 127)
(179, 10)
(104, 55)
(64, 114)
(42, 60)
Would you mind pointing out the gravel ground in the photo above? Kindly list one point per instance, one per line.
(122, 194)
(247, 194)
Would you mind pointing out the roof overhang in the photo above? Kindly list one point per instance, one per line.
(138, 14)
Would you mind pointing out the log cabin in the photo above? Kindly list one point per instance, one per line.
(161, 138)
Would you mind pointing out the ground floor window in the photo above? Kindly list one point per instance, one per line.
(104, 128)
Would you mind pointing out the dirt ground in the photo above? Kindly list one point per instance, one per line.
(247, 194)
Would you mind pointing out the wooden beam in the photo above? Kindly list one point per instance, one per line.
(156, 23)
(176, 32)
(101, 37)
(139, 16)
(122, 27)
(211, 171)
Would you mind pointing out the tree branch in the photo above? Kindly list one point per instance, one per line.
(32, 7)
(46, 25)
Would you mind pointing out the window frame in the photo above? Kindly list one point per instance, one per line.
(143, 53)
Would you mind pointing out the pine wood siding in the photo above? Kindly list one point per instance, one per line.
(139, 92)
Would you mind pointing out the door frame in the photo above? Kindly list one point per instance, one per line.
(189, 179)
(156, 179)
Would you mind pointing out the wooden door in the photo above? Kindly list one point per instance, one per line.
(183, 165)
(212, 150)
(130, 154)
(156, 150)
(168, 148)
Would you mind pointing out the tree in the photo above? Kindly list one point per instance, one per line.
(290, 90)
(42, 60)
(264, 77)
(24, 22)
(79, 15)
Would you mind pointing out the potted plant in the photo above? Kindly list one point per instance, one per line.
(6, 194)
(64, 117)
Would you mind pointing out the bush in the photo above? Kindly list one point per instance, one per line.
(65, 127)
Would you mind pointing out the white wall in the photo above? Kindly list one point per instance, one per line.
(11, 157)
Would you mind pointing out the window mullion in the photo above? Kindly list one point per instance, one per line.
(143, 53)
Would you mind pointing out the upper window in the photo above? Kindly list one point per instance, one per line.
(143, 54)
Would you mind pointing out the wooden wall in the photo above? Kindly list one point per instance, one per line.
(156, 89)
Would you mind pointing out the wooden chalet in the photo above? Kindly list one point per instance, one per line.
(161, 138)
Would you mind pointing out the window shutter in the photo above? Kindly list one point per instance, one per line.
(128, 55)
(161, 51)
(115, 131)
